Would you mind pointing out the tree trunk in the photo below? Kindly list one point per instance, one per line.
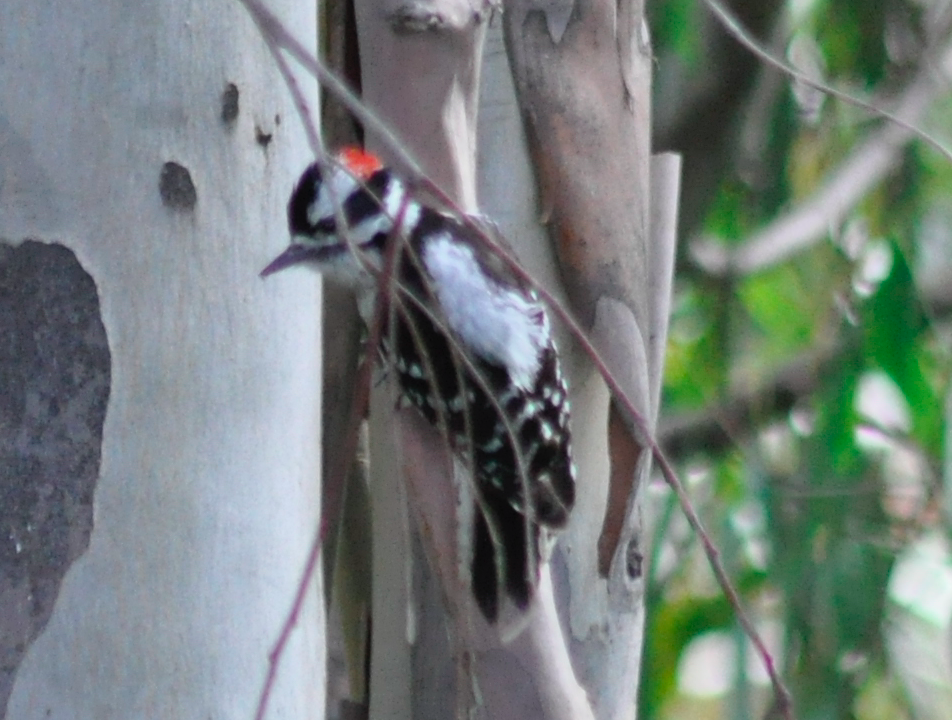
(160, 416)
(582, 74)
(420, 73)
(421, 78)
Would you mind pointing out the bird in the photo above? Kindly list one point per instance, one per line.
(472, 350)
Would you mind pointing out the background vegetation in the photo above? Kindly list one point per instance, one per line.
(806, 373)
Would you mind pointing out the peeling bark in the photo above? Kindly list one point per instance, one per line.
(582, 74)
(54, 386)
(585, 101)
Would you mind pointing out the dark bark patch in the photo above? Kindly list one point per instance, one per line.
(634, 560)
(176, 187)
(262, 137)
(417, 18)
(54, 388)
(229, 104)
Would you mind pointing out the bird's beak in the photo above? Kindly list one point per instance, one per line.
(293, 255)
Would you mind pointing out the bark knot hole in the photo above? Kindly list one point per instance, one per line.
(634, 560)
(229, 104)
(176, 187)
(263, 137)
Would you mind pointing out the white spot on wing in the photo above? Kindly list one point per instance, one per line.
(545, 430)
(500, 323)
(493, 444)
(531, 408)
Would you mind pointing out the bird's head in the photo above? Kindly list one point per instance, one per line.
(355, 188)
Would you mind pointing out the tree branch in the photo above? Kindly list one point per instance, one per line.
(813, 219)
(714, 429)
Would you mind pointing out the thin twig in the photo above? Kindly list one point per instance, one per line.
(310, 127)
(639, 425)
(741, 35)
(643, 435)
(839, 192)
(357, 412)
(270, 25)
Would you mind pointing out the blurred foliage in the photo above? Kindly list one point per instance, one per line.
(675, 16)
(803, 505)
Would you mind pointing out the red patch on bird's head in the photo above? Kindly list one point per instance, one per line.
(360, 162)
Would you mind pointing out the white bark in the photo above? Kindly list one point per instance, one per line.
(208, 492)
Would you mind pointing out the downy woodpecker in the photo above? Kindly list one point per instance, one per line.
(472, 350)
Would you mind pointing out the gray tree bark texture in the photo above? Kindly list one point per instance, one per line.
(582, 225)
(159, 404)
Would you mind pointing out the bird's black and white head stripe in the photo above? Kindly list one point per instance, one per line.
(472, 350)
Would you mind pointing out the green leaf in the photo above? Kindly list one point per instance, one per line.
(896, 341)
